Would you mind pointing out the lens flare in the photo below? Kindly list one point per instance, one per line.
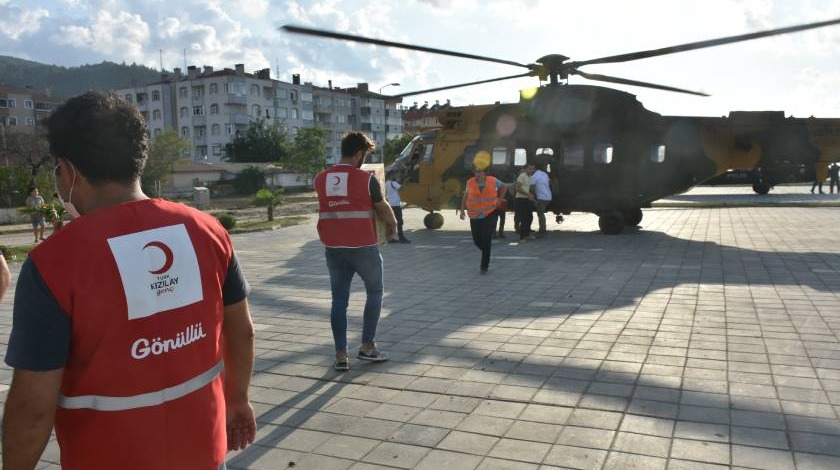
(505, 125)
(481, 160)
(528, 93)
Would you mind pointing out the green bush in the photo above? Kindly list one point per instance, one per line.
(228, 221)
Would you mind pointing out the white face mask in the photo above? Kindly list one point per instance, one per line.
(68, 206)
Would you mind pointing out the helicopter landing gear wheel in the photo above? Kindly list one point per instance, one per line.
(611, 222)
(760, 187)
(433, 221)
(632, 217)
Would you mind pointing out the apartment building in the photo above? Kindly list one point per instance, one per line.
(209, 107)
(417, 118)
(24, 109)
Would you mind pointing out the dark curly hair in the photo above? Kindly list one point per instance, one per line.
(103, 136)
(353, 142)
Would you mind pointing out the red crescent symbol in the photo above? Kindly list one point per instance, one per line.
(337, 181)
(167, 252)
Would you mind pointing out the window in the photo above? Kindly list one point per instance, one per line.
(657, 154)
(602, 154)
(281, 94)
(295, 113)
(30, 122)
(306, 96)
(12, 103)
(200, 131)
(230, 129)
(217, 150)
(307, 115)
(198, 91)
(184, 111)
(255, 90)
(198, 110)
(213, 88)
(185, 131)
(182, 92)
(255, 110)
(214, 108)
(573, 155)
(427, 154)
(156, 115)
(27, 104)
(520, 157)
(292, 95)
(12, 121)
(155, 95)
(127, 98)
(4, 103)
(235, 88)
(544, 151)
(215, 129)
(499, 155)
(282, 113)
(201, 151)
(268, 113)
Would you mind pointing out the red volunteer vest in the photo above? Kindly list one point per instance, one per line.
(142, 388)
(345, 218)
(481, 202)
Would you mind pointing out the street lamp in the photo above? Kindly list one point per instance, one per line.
(390, 84)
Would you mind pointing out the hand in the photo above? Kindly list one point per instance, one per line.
(390, 230)
(241, 425)
(462, 214)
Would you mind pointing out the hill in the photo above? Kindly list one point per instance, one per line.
(71, 81)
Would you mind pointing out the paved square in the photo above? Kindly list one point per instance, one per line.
(705, 340)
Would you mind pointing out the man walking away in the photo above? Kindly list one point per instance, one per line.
(131, 329)
(523, 201)
(347, 198)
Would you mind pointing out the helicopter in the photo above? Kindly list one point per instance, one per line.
(604, 152)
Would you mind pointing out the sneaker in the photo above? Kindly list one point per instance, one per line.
(373, 355)
(483, 271)
(342, 365)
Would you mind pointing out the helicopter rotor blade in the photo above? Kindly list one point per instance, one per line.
(379, 42)
(430, 90)
(624, 81)
(701, 44)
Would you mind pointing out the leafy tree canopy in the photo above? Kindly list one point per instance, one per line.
(393, 147)
(166, 149)
(260, 143)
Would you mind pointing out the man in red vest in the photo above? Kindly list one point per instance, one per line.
(348, 199)
(131, 330)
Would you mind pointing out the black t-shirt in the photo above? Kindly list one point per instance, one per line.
(375, 190)
(41, 329)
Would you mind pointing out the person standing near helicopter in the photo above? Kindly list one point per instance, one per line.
(541, 190)
(480, 202)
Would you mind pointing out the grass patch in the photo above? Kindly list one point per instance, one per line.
(279, 222)
(16, 253)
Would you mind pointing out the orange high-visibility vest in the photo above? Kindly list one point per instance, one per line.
(142, 387)
(480, 203)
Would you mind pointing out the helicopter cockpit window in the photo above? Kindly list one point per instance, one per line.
(544, 151)
(657, 154)
(602, 154)
(427, 153)
(520, 157)
(573, 155)
(500, 155)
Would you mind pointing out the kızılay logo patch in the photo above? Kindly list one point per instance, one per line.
(159, 270)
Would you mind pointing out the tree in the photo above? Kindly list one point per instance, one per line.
(310, 151)
(269, 198)
(248, 181)
(260, 143)
(32, 151)
(164, 151)
(392, 148)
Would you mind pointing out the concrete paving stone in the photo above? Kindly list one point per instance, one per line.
(576, 457)
(485, 425)
(816, 410)
(759, 437)
(736, 378)
(642, 444)
(595, 419)
(809, 395)
(813, 425)
(418, 435)
(546, 414)
(657, 394)
(469, 442)
(455, 403)
(396, 455)
(752, 367)
(490, 463)
(653, 408)
(704, 374)
(439, 459)
(766, 459)
(702, 431)
(371, 427)
(816, 462)
(532, 431)
(439, 418)
(586, 437)
(328, 422)
(389, 411)
(701, 451)
(352, 407)
(302, 440)
(368, 466)
(755, 404)
(411, 398)
(753, 390)
(525, 451)
(625, 461)
(647, 425)
(603, 402)
(815, 443)
(714, 400)
(264, 458)
(469, 389)
(347, 447)
(511, 392)
(500, 409)
(704, 414)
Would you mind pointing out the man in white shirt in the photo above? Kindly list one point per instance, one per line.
(392, 194)
(542, 192)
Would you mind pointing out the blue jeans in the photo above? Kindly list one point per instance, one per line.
(343, 263)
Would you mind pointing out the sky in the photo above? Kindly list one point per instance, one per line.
(796, 73)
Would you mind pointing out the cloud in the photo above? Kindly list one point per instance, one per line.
(16, 23)
(122, 35)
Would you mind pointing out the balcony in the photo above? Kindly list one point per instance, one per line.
(236, 99)
(365, 111)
